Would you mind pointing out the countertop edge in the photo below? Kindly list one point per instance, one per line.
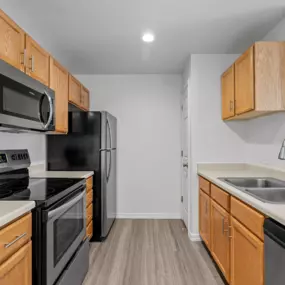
(14, 214)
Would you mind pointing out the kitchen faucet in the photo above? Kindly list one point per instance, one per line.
(281, 155)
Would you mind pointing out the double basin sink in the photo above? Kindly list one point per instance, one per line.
(269, 190)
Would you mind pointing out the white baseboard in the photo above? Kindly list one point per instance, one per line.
(194, 236)
(149, 216)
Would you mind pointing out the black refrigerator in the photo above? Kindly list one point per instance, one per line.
(90, 145)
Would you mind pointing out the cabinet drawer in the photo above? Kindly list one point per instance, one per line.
(204, 185)
(89, 230)
(14, 236)
(89, 197)
(249, 217)
(89, 183)
(221, 197)
(89, 213)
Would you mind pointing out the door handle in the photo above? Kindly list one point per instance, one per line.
(15, 240)
(185, 165)
(32, 68)
(24, 58)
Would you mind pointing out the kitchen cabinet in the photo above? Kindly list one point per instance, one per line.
(59, 83)
(74, 91)
(18, 268)
(236, 239)
(220, 245)
(246, 256)
(85, 98)
(259, 82)
(12, 42)
(228, 93)
(37, 65)
(244, 82)
(16, 255)
(204, 217)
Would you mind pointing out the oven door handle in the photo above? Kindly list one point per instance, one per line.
(65, 206)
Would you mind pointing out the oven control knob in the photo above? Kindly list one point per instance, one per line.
(14, 156)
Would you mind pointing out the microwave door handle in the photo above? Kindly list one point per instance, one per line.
(51, 110)
(65, 206)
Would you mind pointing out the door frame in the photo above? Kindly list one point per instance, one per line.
(184, 95)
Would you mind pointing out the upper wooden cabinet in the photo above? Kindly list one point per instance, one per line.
(38, 64)
(74, 91)
(204, 217)
(244, 82)
(85, 98)
(59, 83)
(12, 42)
(220, 245)
(228, 93)
(259, 82)
(247, 255)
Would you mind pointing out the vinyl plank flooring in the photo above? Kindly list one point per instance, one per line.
(150, 252)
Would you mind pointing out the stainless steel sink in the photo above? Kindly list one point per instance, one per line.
(268, 190)
(272, 195)
(253, 182)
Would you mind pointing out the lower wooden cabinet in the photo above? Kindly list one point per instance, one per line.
(204, 217)
(247, 254)
(233, 233)
(18, 268)
(220, 242)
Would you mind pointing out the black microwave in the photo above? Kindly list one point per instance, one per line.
(25, 103)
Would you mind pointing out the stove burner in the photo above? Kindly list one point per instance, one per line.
(24, 193)
(5, 193)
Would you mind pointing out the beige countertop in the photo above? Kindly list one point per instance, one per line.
(11, 210)
(212, 172)
(38, 171)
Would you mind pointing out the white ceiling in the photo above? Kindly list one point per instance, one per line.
(104, 36)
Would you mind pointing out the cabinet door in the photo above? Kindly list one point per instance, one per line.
(244, 82)
(59, 83)
(228, 93)
(220, 245)
(38, 61)
(12, 42)
(247, 253)
(75, 91)
(85, 98)
(204, 217)
(18, 268)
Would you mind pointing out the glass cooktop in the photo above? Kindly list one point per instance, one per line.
(36, 189)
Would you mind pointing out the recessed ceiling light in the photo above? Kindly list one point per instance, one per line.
(148, 37)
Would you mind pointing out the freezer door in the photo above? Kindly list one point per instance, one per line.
(109, 189)
(109, 131)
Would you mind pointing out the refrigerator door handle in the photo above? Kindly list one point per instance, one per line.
(110, 165)
(109, 129)
(107, 149)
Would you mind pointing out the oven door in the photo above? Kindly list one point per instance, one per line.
(65, 230)
(23, 107)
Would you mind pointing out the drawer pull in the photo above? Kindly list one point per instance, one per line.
(14, 241)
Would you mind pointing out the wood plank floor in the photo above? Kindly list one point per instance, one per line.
(150, 252)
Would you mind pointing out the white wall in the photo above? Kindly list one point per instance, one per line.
(35, 143)
(148, 111)
(265, 134)
(211, 139)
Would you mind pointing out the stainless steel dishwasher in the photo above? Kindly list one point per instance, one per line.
(274, 252)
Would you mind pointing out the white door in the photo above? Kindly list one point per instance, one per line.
(184, 158)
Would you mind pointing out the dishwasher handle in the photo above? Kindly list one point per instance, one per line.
(275, 231)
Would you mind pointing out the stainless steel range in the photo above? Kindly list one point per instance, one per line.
(59, 220)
